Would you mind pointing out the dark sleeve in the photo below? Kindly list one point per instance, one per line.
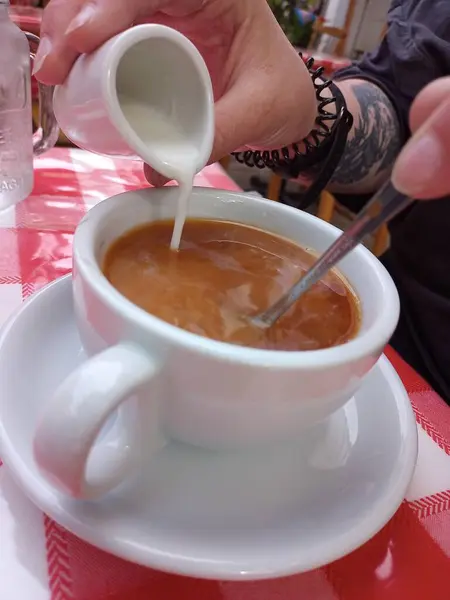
(415, 50)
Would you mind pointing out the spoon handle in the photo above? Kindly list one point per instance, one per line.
(382, 207)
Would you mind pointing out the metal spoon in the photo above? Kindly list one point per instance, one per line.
(382, 207)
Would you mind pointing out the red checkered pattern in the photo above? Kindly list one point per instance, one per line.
(407, 560)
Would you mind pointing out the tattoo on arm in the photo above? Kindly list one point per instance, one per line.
(374, 141)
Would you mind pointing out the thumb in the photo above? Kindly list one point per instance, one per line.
(231, 131)
(422, 168)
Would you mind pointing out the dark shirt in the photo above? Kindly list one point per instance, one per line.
(415, 51)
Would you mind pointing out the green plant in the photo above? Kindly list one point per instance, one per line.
(297, 33)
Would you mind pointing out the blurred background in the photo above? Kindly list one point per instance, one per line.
(362, 23)
(300, 18)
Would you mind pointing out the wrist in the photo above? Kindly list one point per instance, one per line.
(322, 147)
(326, 110)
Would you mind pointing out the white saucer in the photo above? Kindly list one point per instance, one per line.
(227, 516)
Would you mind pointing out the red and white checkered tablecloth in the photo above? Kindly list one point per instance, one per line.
(408, 560)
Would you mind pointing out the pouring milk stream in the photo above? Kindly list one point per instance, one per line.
(174, 149)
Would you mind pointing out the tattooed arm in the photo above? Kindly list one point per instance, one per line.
(374, 140)
(380, 88)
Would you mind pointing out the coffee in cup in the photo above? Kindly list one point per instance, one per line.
(222, 275)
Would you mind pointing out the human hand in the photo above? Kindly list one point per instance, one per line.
(422, 169)
(263, 93)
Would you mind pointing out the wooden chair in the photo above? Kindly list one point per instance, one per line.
(274, 187)
(381, 241)
(327, 206)
(336, 32)
(341, 34)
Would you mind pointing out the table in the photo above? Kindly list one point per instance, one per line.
(407, 560)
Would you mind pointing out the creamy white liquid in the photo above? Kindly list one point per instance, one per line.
(162, 133)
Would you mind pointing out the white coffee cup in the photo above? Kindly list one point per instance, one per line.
(150, 65)
(171, 383)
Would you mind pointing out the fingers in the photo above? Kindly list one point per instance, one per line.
(422, 168)
(428, 101)
(55, 57)
(72, 27)
(153, 177)
(253, 113)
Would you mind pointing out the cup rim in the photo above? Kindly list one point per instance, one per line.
(119, 46)
(368, 343)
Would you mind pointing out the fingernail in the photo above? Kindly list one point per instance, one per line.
(418, 164)
(44, 49)
(85, 15)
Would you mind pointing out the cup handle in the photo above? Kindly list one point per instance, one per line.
(66, 433)
(47, 134)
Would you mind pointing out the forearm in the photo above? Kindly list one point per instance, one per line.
(373, 142)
